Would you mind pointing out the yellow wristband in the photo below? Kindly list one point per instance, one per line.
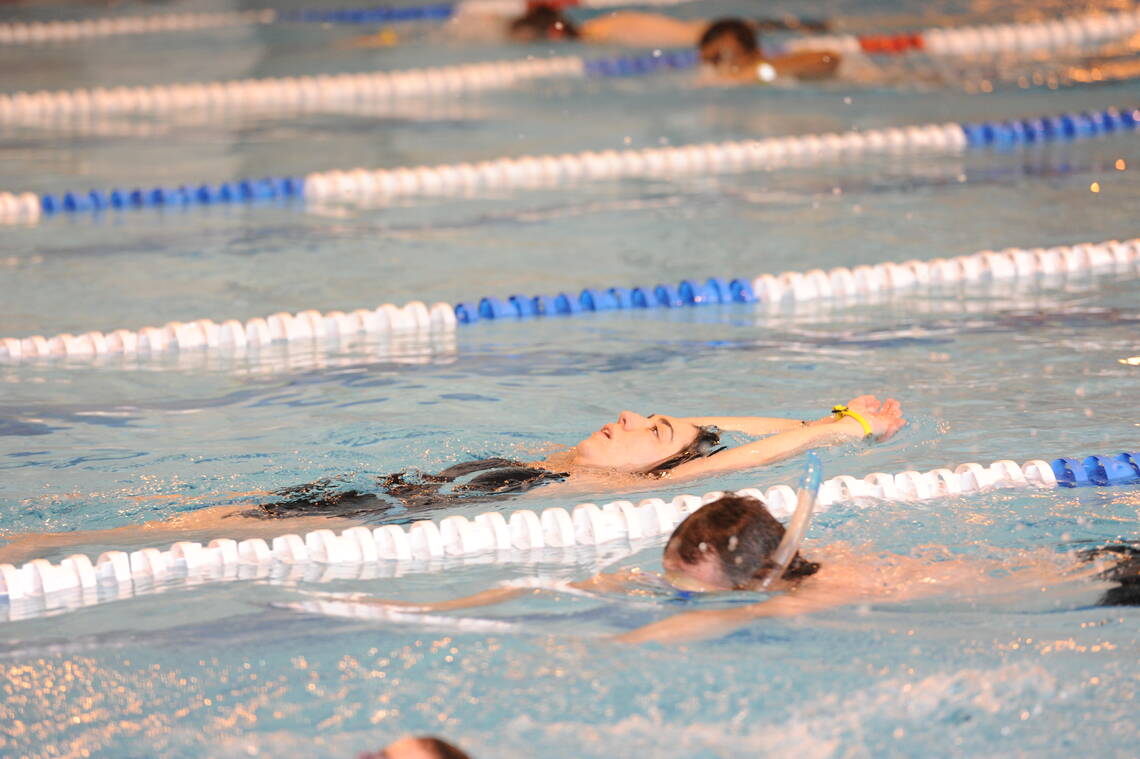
(842, 411)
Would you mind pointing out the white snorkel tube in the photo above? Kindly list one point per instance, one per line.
(806, 497)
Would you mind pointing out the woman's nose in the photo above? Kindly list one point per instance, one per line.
(630, 420)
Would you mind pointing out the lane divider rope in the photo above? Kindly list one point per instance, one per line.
(252, 94)
(1013, 38)
(364, 185)
(37, 32)
(497, 537)
(842, 283)
(325, 90)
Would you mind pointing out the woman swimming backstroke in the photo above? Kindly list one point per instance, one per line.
(619, 456)
(613, 458)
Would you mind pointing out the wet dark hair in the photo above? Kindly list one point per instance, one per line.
(408, 492)
(540, 20)
(706, 443)
(739, 29)
(441, 749)
(1125, 571)
(742, 533)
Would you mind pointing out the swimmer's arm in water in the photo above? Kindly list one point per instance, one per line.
(714, 623)
(634, 29)
(809, 64)
(488, 597)
(600, 583)
(885, 421)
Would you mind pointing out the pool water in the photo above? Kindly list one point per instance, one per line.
(248, 668)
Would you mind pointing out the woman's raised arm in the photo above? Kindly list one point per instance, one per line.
(884, 420)
(769, 425)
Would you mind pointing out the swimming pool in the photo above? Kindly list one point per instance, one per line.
(993, 370)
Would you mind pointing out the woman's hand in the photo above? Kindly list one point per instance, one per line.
(885, 418)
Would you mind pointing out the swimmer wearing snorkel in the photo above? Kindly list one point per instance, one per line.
(735, 544)
(621, 455)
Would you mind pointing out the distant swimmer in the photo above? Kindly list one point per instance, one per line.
(732, 43)
(729, 47)
(730, 50)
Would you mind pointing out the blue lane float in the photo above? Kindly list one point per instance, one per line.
(225, 193)
(685, 293)
(1062, 128)
(1099, 471)
(382, 14)
(639, 65)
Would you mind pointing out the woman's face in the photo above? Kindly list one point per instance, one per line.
(634, 443)
(726, 56)
(704, 576)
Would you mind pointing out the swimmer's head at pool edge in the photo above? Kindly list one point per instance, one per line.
(542, 23)
(727, 545)
(418, 747)
(649, 445)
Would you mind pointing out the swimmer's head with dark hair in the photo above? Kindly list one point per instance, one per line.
(542, 23)
(420, 747)
(1124, 568)
(727, 544)
(729, 42)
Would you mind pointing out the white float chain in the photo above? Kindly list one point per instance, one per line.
(412, 319)
(571, 168)
(1013, 38)
(22, 208)
(36, 32)
(1008, 264)
(302, 92)
(501, 537)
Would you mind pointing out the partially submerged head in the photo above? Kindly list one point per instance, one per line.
(652, 445)
(730, 45)
(420, 747)
(542, 23)
(727, 545)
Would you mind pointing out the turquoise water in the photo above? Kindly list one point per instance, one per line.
(232, 669)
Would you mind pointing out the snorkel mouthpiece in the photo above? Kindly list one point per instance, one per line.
(806, 497)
